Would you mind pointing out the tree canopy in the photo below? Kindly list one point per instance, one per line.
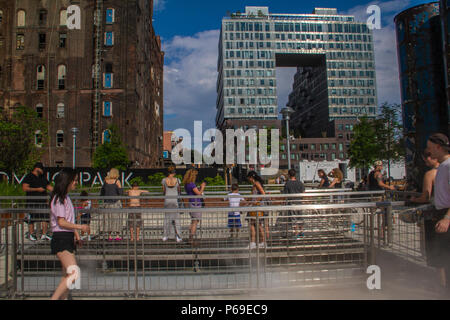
(112, 153)
(23, 136)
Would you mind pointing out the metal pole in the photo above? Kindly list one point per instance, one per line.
(14, 256)
(288, 143)
(389, 223)
(257, 249)
(372, 238)
(74, 146)
(74, 133)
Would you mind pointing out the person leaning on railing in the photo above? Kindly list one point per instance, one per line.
(191, 189)
(36, 185)
(439, 147)
(338, 177)
(257, 189)
(428, 180)
(293, 186)
(324, 182)
(113, 188)
(425, 197)
(172, 189)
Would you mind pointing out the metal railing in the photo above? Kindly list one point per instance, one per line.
(312, 238)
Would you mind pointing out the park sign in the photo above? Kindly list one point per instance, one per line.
(90, 177)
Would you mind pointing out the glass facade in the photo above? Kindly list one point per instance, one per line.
(252, 45)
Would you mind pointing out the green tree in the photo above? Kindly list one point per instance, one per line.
(112, 153)
(390, 134)
(155, 179)
(364, 148)
(18, 145)
(217, 181)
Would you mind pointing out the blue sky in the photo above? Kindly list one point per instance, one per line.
(190, 32)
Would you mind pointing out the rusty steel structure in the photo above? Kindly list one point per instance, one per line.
(422, 81)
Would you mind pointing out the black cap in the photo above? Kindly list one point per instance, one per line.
(38, 165)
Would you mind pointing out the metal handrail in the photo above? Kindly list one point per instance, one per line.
(143, 197)
(227, 209)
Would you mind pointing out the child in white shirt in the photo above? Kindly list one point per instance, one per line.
(234, 218)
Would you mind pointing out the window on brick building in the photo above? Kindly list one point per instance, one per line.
(110, 15)
(63, 17)
(21, 18)
(38, 138)
(107, 108)
(108, 76)
(42, 40)
(42, 17)
(20, 42)
(109, 38)
(60, 110)
(61, 77)
(60, 138)
(62, 40)
(40, 77)
(108, 80)
(40, 110)
(157, 108)
(106, 136)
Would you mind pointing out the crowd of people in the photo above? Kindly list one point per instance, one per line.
(68, 228)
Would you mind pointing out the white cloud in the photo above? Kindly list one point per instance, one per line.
(159, 5)
(190, 76)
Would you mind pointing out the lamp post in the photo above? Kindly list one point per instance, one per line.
(74, 133)
(286, 112)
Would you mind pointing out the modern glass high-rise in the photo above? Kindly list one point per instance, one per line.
(254, 43)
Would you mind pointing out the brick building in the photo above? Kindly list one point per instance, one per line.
(110, 71)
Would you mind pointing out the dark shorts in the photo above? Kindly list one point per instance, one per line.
(135, 220)
(437, 245)
(62, 241)
(39, 216)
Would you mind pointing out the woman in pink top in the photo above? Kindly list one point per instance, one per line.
(62, 220)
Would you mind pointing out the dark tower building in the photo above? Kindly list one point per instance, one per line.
(445, 26)
(422, 82)
(109, 71)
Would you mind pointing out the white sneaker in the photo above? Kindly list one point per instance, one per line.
(179, 239)
(262, 245)
(252, 245)
(45, 237)
(165, 238)
(83, 237)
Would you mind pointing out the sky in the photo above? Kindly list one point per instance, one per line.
(189, 31)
